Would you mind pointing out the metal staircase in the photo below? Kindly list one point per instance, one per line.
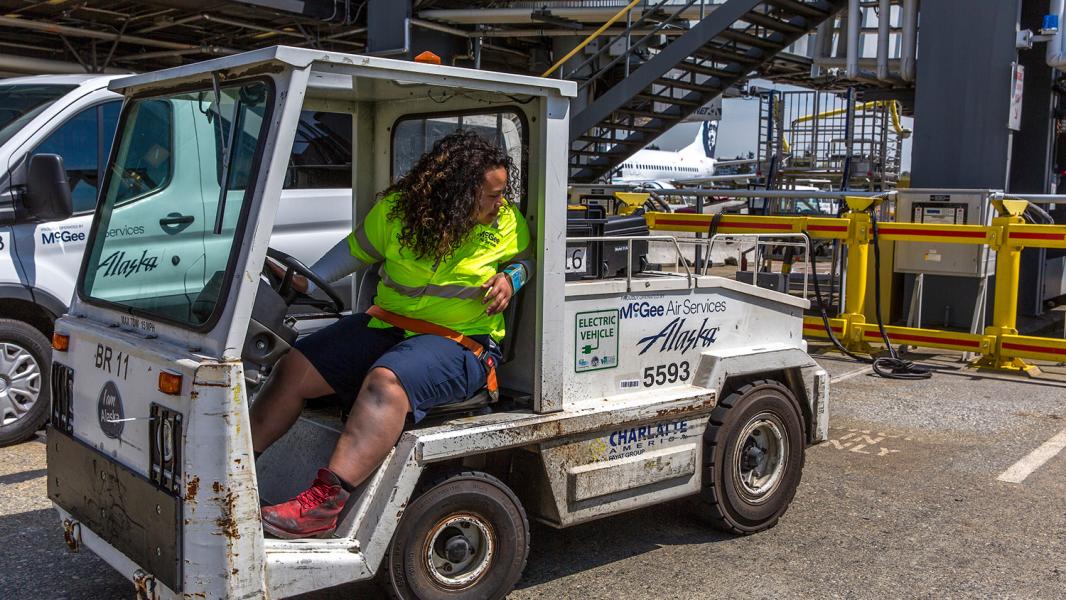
(639, 86)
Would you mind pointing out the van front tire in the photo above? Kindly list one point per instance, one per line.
(466, 537)
(25, 385)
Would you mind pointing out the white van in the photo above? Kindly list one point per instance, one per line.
(75, 117)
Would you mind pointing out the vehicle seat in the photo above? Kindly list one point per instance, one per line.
(368, 285)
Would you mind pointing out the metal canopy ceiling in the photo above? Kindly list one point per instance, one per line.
(77, 36)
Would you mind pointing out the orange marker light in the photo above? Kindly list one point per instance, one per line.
(169, 383)
(428, 58)
(60, 342)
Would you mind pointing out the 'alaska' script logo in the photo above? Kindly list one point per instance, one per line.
(109, 411)
(675, 337)
(118, 264)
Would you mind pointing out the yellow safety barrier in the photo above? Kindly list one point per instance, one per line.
(629, 202)
(999, 347)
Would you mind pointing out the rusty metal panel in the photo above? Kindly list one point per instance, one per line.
(623, 467)
(466, 437)
(599, 479)
(118, 505)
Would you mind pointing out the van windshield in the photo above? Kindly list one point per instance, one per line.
(175, 191)
(20, 103)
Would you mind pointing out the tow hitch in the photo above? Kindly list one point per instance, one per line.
(72, 534)
(144, 584)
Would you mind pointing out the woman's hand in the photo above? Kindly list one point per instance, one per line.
(299, 282)
(498, 293)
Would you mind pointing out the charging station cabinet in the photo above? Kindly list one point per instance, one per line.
(944, 207)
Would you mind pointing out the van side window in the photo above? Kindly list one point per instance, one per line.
(148, 156)
(79, 141)
(321, 152)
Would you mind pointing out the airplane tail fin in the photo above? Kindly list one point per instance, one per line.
(706, 141)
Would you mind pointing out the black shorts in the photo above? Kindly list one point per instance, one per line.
(433, 370)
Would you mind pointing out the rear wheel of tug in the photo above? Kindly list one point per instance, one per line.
(753, 458)
(466, 536)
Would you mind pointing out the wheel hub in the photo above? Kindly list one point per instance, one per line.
(20, 382)
(761, 454)
(459, 550)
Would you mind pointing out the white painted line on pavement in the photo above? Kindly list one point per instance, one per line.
(1024, 467)
(851, 374)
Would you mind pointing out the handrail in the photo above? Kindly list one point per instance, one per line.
(655, 30)
(592, 36)
(786, 194)
(629, 239)
(808, 262)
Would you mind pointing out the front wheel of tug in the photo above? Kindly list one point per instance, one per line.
(465, 537)
(753, 458)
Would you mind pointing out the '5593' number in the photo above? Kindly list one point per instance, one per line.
(662, 374)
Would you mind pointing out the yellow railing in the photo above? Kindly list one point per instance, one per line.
(893, 111)
(999, 346)
(591, 37)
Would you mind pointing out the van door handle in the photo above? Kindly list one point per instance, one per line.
(175, 222)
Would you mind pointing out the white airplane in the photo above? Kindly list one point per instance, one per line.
(662, 167)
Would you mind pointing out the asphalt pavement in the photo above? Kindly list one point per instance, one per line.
(906, 500)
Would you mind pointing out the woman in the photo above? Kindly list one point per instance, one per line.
(443, 235)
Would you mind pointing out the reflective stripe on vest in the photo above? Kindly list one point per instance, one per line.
(364, 244)
(431, 289)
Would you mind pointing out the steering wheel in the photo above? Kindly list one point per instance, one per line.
(293, 265)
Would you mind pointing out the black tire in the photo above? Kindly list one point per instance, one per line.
(486, 506)
(17, 339)
(766, 414)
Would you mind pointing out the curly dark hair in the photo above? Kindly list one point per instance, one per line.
(437, 199)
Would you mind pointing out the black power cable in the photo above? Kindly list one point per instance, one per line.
(891, 366)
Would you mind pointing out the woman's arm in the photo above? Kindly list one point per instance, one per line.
(337, 263)
(334, 265)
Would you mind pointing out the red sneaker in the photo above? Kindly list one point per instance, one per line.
(313, 513)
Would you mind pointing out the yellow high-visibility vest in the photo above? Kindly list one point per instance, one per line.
(449, 293)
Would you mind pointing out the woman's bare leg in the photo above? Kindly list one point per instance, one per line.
(278, 405)
(373, 426)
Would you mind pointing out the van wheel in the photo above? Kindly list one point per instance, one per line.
(467, 536)
(25, 361)
(753, 458)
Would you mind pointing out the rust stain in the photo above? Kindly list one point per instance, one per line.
(217, 487)
(226, 523)
(233, 572)
(211, 384)
(191, 488)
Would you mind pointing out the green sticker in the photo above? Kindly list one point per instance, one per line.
(595, 340)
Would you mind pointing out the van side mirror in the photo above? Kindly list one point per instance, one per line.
(47, 195)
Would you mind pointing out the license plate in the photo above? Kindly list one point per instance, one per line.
(118, 505)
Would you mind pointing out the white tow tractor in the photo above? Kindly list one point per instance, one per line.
(617, 393)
